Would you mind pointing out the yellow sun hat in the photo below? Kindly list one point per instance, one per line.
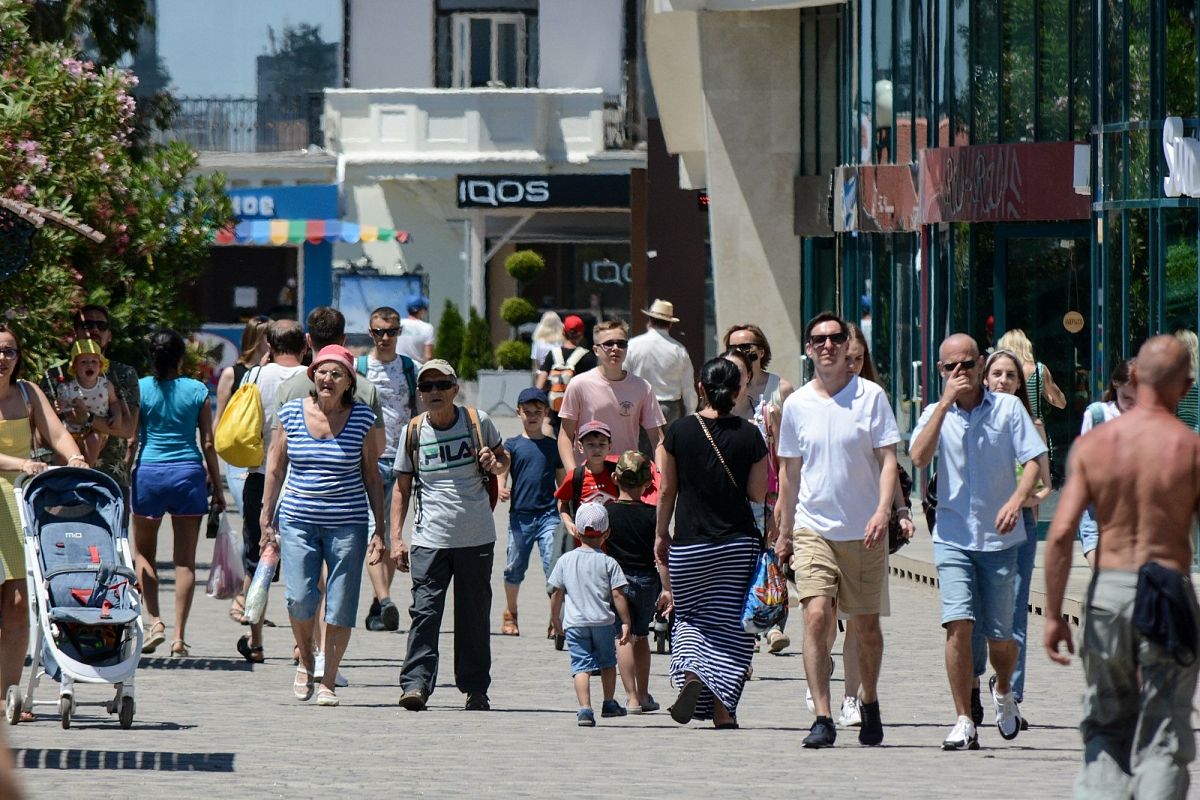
(87, 347)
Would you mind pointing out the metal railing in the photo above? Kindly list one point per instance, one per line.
(246, 124)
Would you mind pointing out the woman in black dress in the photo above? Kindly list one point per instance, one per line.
(713, 465)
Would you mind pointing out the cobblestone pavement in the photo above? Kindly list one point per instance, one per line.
(213, 726)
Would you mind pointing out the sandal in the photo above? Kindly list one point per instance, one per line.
(252, 653)
(179, 649)
(327, 697)
(685, 703)
(296, 655)
(302, 686)
(237, 610)
(158, 635)
(509, 628)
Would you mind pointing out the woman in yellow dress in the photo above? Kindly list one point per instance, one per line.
(22, 407)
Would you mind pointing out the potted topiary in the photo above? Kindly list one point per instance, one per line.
(498, 388)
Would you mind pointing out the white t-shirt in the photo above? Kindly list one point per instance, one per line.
(837, 438)
(1111, 412)
(414, 335)
(269, 378)
(392, 387)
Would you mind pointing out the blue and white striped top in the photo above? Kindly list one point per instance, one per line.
(324, 484)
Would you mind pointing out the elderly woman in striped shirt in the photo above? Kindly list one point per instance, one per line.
(323, 512)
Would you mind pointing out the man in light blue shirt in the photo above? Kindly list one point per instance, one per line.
(979, 438)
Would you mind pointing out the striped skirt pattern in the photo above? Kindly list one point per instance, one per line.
(708, 586)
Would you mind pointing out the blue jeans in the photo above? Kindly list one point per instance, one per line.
(641, 594)
(525, 530)
(388, 476)
(1026, 553)
(303, 547)
(235, 477)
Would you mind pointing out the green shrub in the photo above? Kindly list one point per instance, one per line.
(514, 354)
(524, 265)
(451, 331)
(477, 348)
(517, 311)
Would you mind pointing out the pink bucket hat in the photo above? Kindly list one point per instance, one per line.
(335, 353)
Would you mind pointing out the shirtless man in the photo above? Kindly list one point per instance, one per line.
(1137, 732)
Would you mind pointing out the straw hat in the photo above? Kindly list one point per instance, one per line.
(661, 309)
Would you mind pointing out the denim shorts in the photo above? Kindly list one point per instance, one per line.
(177, 488)
(592, 647)
(978, 581)
(524, 531)
(641, 593)
(303, 547)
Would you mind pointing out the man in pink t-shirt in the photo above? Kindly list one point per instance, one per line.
(612, 395)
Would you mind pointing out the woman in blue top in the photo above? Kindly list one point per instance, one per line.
(327, 441)
(172, 477)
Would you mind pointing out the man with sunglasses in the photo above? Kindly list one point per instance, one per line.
(978, 437)
(395, 378)
(837, 479)
(116, 458)
(611, 394)
(441, 461)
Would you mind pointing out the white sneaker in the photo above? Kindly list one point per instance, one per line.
(851, 716)
(1008, 714)
(962, 737)
(318, 665)
(808, 701)
(340, 680)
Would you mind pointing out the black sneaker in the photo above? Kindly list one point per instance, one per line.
(822, 734)
(478, 702)
(976, 708)
(414, 700)
(871, 732)
(389, 614)
(372, 622)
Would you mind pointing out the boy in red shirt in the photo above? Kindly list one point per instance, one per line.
(596, 484)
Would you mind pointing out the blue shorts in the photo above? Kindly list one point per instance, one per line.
(524, 531)
(177, 488)
(303, 547)
(592, 647)
(388, 475)
(641, 593)
(978, 581)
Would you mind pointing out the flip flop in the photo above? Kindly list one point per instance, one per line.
(252, 654)
(158, 635)
(685, 703)
(237, 611)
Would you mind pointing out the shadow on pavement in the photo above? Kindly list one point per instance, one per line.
(55, 758)
(206, 664)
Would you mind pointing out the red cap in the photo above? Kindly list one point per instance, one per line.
(573, 324)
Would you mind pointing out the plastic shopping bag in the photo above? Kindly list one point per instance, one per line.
(256, 596)
(226, 575)
(766, 601)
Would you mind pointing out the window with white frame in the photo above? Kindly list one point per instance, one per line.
(486, 44)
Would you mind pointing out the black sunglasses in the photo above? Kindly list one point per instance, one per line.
(93, 325)
(435, 386)
(819, 339)
(745, 347)
(949, 367)
(380, 332)
(615, 344)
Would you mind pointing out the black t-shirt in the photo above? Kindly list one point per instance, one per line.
(708, 507)
(631, 535)
(587, 362)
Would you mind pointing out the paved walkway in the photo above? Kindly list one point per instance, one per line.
(214, 726)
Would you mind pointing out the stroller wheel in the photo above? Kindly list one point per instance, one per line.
(12, 705)
(64, 710)
(126, 716)
(660, 643)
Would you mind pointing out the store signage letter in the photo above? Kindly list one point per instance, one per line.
(1183, 160)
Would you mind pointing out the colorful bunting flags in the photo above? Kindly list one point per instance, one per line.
(298, 231)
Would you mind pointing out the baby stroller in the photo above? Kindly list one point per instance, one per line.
(85, 608)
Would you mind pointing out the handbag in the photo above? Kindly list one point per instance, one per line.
(766, 597)
(929, 501)
(896, 539)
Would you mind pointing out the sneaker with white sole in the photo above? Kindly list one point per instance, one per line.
(851, 716)
(339, 680)
(963, 736)
(1008, 714)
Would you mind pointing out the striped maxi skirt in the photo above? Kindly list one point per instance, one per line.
(708, 585)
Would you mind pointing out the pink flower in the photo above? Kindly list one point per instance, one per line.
(73, 66)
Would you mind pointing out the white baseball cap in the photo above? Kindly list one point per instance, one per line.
(591, 518)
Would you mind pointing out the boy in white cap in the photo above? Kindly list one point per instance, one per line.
(591, 583)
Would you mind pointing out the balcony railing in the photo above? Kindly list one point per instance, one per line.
(246, 124)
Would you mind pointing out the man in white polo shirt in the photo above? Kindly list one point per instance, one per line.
(837, 480)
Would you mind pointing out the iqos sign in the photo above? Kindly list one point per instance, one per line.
(543, 191)
(502, 192)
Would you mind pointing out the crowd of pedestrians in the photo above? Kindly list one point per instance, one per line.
(650, 491)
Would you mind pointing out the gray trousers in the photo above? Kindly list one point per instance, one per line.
(1137, 733)
(432, 570)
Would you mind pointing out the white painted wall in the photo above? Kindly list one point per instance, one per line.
(580, 44)
(391, 44)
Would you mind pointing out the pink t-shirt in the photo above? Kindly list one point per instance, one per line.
(625, 406)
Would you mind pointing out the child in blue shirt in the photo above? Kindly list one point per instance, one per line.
(589, 583)
(536, 470)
